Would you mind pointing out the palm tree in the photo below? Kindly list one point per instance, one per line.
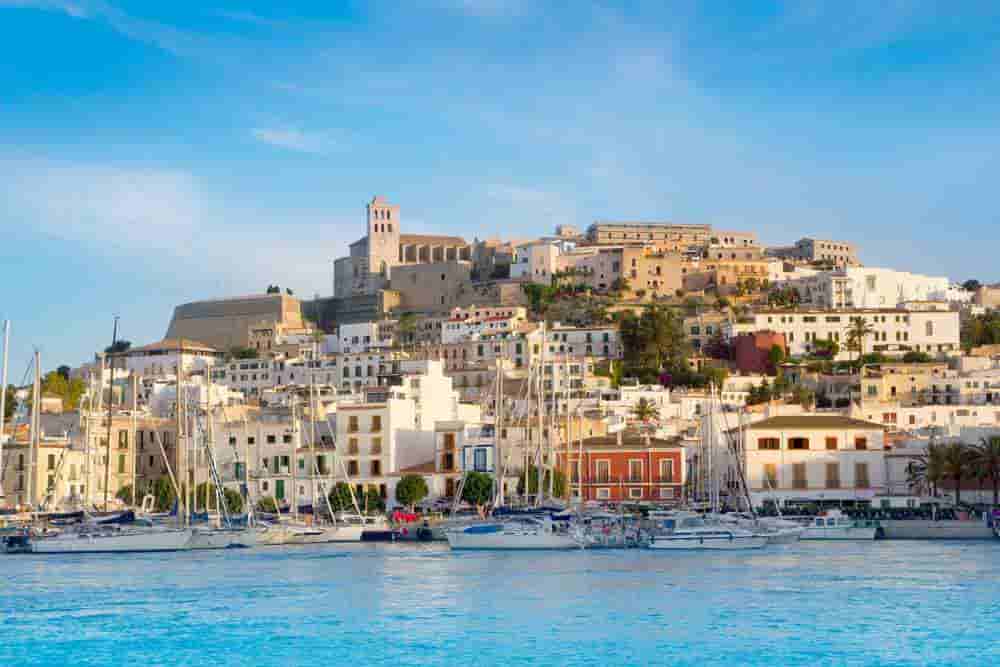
(927, 470)
(985, 460)
(857, 332)
(956, 466)
(644, 410)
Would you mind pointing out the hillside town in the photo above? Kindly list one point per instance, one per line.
(632, 363)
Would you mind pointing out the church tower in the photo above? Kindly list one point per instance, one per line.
(383, 237)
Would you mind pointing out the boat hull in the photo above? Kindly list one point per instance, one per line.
(784, 536)
(707, 543)
(166, 540)
(856, 533)
(223, 539)
(500, 542)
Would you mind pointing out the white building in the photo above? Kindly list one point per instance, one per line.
(869, 287)
(597, 341)
(163, 358)
(814, 458)
(366, 336)
(896, 330)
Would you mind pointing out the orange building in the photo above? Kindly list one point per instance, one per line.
(628, 468)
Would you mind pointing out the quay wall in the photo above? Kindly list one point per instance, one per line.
(936, 530)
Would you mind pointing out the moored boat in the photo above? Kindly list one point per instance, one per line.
(690, 531)
(526, 533)
(833, 525)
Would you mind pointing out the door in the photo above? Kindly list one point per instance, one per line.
(279, 489)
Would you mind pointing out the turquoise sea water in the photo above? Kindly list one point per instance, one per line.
(819, 604)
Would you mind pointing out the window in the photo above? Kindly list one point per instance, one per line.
(798, 443)
(352, 424)
(352, 468)
(831, 443)
(376, 468)
(287, 439)
(352, 446)
(833, 475)
(768, 443)
(799, 476)
(861, 480)
(860, 442)
(376, 423)
(52, 461)
(479, 460)
(604, 494)
(376, 446)
(635, 470)
(666, 470)
(122, 439)
(666, 493)
(121, 464)
(635, 492)
(603, 469)
(271, 439)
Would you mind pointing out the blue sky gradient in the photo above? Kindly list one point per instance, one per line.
(156, 153)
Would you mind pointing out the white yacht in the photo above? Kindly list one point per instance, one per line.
(222, 538)
(690, 531)
(522, 533)
(776, 530)
(833, 525)
(109, 539)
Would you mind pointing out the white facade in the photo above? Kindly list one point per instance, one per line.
(602, 341)
(814, 458)
(870, 287)
(897, 331)
(365, 336)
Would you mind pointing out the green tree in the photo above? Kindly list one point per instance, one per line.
(655, 341)
(478, 490)
(234, 501)
(163, 494)
(857, 332)
(775, 357)
(957, 466)
(340, 498)
(971, 285)
(124, 494)
(914, 357)
(64, 371)
(410, 490)
(407, 329)
(558, 482)
(267, 505)
(10, 403)
(715, 376)
(644, 410)
(985, 460)
(70, 391)
(240, 352)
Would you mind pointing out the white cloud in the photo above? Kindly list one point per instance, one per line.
(162, 221)
(73, 9)
(294, 139)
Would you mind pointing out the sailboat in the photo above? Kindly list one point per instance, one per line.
(531, 530)
(103, 537)
(710, 531)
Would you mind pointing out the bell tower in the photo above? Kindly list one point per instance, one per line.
(383, 236)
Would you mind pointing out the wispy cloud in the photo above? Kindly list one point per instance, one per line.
(164, 220)
(294, 139)
(74, 9)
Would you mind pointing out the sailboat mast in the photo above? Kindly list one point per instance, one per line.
(182, 495)
(132, 437)
(291, 460)
(36, 400)
(111, 402)
(3, 392)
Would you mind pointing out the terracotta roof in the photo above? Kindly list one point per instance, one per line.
(431, 238)
(812, 421)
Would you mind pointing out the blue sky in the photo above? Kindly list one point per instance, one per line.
(157, 153)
